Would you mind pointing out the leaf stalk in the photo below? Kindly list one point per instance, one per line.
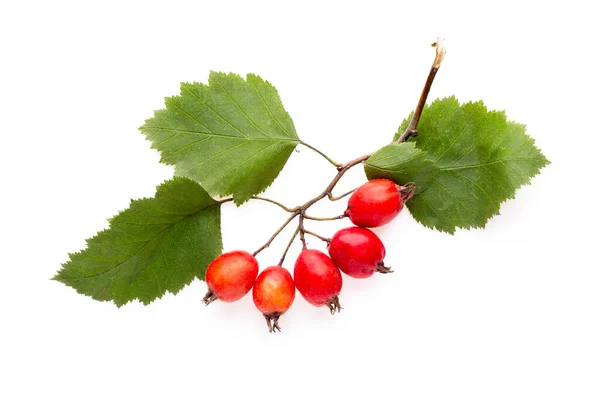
(335, 164)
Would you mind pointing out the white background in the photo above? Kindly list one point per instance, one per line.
(509, 312)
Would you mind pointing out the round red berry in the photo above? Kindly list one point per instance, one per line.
(375, 203)
(273, 294)
(358, 252)
(230, 276)
(318, 280)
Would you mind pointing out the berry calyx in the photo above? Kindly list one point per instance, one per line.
(358, 252)
(377, 202)
(273, 294)
(230, 276)
(318, 280)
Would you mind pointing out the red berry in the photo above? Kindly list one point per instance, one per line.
(273, 294)
(375, 203)
(230, 276)
(358, 252)
(318, 280)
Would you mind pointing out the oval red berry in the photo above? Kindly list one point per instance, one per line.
(318, 280)
(230, 276)
(273, 294)
(358, 252)
(375, 203)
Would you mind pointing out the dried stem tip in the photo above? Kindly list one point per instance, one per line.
(381, 268)
(440, 52)
(407, 191)
(334, 305)
(209, 297)
(273, 322)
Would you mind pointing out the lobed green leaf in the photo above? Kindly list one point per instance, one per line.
(481, 160)
(233, 135)
(157, 245)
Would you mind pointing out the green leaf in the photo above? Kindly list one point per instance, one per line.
(401, 163)
(232, 135)
(482, 160)
(158, 244)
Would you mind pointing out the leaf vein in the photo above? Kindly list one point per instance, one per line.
(474, 183)
(218, 80)
(489, 163)
(459, 201)
(201, 161)
(221, 136)
(457, 137)
(271, 113)
(241, 162)
(216, 113)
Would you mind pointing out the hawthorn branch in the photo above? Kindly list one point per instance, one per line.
(300, 211)
(411, 129)
(342, 169)
(281, 228)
